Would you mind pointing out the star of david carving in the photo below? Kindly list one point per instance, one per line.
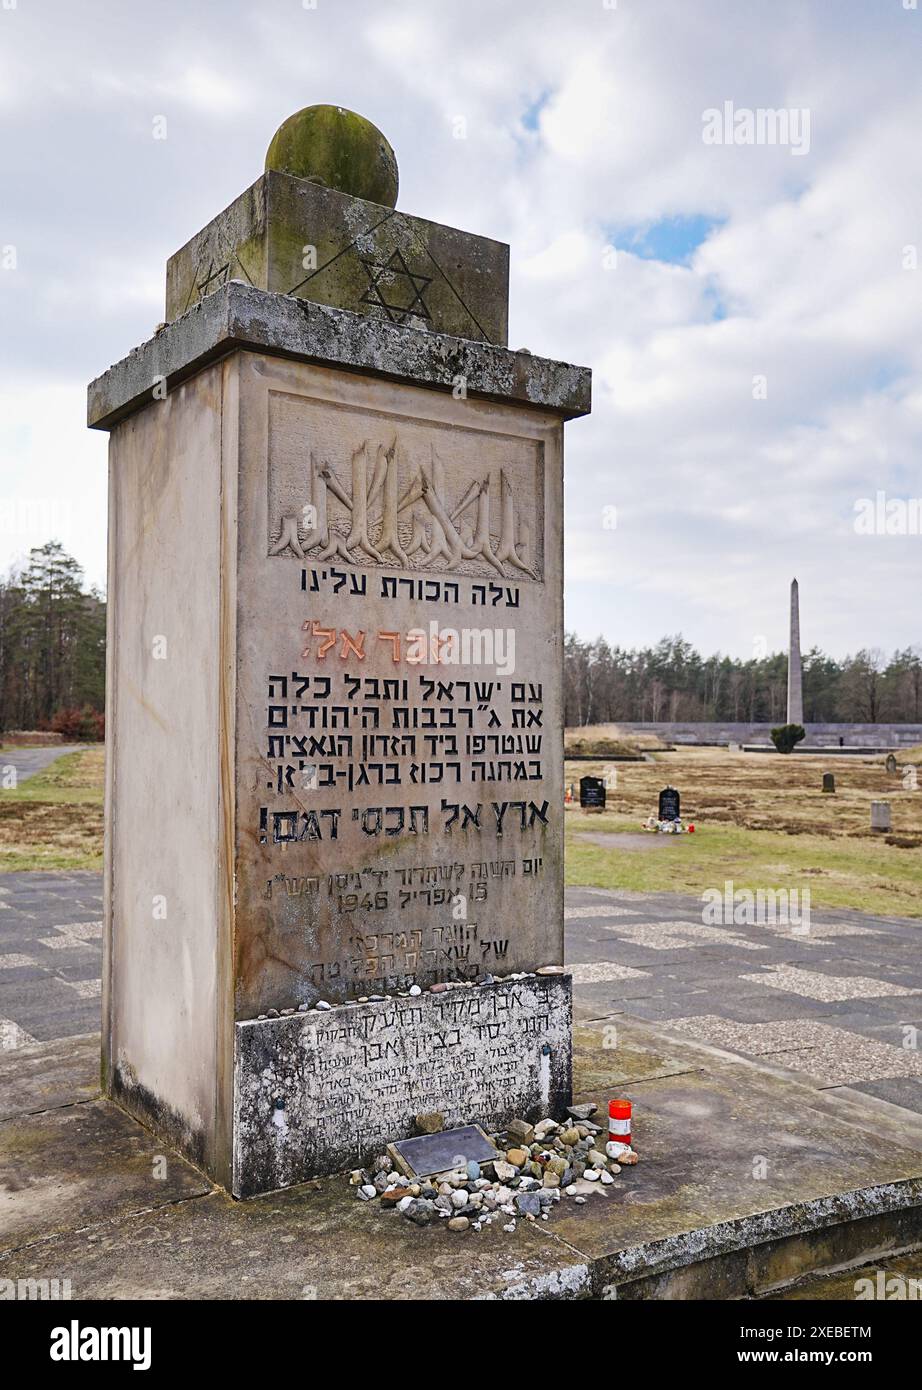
(404, 287)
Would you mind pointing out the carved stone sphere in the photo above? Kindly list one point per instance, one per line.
(339, 149)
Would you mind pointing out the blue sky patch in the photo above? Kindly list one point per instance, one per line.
(671, 239)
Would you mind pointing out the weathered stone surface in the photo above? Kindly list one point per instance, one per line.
(339, 149)
(239, 316)
(313, 1095)
(431, 1122)
(46, 1075)
(80, 1165)
(295, 237)
(399, 800)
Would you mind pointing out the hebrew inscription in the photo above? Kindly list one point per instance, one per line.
(399, 796)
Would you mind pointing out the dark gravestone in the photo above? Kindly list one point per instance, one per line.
(592, 793)
(829, 782)
(669, 804)
(450, 1148)
(891, 763)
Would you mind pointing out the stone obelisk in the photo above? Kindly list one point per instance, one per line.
(795, 671)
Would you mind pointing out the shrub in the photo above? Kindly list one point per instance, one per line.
(786, 736)
(86, 725)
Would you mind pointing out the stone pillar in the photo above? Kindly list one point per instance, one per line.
(334, 849)
(795, 670)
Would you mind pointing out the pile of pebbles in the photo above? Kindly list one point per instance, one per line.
(413, 992)
(535, 1167)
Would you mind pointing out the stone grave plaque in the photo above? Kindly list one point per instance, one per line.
(426, 1154)
(592, 793)
(669, 804)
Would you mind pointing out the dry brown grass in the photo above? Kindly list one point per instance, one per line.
(632, 741)
(54, 820)
(768, 791)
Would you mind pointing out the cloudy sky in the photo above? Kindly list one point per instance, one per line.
(751, 311)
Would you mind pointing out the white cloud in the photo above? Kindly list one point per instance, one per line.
(580, 123)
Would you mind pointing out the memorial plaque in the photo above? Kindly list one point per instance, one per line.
(669, 804)
(323, 1092)
(592, 793)
(426, 1154)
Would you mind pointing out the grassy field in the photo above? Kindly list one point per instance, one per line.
(761, 820)
(54, 819)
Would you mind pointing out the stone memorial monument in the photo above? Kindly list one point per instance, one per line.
(592, 793)
(670, 804)
(795, 664)
(334, 846)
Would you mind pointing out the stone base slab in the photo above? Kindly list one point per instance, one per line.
(324, 1091)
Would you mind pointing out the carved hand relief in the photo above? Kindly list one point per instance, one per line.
(363, 488)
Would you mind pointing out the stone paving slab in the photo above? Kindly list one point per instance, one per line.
(50, 953)
(307, 1243)
(79, 1165)
(48, 1075)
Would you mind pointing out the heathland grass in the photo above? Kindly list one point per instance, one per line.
(53, 820)
(762, 821)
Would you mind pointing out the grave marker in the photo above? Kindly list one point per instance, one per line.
(592, 793)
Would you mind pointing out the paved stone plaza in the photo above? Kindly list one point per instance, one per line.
(842, 1004)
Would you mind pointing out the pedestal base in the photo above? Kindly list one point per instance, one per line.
(325, 1091)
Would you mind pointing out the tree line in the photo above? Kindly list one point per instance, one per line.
(605, 684)
(53, 669)
(52, 647)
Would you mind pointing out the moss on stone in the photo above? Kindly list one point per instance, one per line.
(339, 149)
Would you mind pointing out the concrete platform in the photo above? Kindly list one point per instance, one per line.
(750, 1181)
